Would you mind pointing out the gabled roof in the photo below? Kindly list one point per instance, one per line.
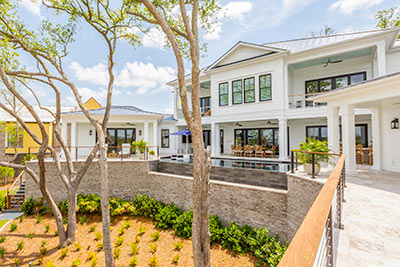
(116, 110)
(263, 50)
(302, 44)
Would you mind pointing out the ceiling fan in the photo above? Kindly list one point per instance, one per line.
(329, 61)
(238, 124)
(271, 123)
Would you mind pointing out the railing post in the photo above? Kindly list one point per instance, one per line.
(29, 152)
(76, 153)
(158, 152)
(329, 237)
(313, 165)
(297, 163)
(291, 161)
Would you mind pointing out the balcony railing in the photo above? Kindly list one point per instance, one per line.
(301, 101)
(314, 242)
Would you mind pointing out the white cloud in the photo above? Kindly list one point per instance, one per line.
(95, 75)
(349, 6)
(236, 10)
(154, 38)
(138, 75)
(32, 6)
(288, 8)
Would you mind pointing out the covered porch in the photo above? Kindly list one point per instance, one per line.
(381, 96)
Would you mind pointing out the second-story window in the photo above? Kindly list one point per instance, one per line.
(265, 87)
(205, 106)
(223, 94)
(327, 84)
(249, 90)
(237, 92)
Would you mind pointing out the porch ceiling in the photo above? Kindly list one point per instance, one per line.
(323, 60)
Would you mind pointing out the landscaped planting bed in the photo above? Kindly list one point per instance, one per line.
(145, 232)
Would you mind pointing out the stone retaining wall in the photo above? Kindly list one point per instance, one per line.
(257, 206)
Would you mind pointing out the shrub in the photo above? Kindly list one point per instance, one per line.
(46, 228)
(21, 218)
(89, 203)
(146, 206)
(91, 229)
(183, 225)
(93, 261)
(17, 261)
(56, 233)
(91, 255)
(166, 217)
(176, 259)
(216, 229)
(43, 251)
(28, 157)
(120, 207)
(119, 242)
(31, 235)
(153, 248)
(43, 243)
(137, 239)
(3, 238)
(64, 252)
(65, 221)
(121, 231)
(20, 245)
(133, 262)
(77, 261)
(179, 246)
(134, 248)
(235, 238)
(38, 218)
(155, 236)
(153, 261)
(2, 252)
(31, 206)
(13, 227)
(117, 252)
(63, 206)
(50, 264)
(99, 246)
(142, 230)
(98, 236)
(77, 246)
(83, 219)
(127, 224)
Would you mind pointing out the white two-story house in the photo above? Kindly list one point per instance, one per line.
(259, 93)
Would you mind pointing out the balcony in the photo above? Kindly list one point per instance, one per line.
(300, 101)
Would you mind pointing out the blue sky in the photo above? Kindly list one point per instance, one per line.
(143, 71)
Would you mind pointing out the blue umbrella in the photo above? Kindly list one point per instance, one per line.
(185, 132)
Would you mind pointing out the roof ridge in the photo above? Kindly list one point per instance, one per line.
(327, 36)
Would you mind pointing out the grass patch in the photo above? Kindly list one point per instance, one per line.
(3, 222)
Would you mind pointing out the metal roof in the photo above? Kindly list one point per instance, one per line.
(169, 117)
(302, 44)
(116, 110)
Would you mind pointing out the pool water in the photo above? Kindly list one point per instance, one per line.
(233, 163)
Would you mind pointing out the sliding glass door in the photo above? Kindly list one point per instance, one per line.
(119, 136)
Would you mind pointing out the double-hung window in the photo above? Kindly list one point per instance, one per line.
(164, 138)
(223, 94)
(265, 87)
(237, 92)
(249, 90)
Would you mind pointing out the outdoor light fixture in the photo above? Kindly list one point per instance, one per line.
(140, 132)
(90, 132)
(395, 124)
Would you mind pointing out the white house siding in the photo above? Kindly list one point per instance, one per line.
(172, 139)
(390, 140)
(393, 61)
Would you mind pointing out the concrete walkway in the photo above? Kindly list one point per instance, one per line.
(9, 216)
(371, 235)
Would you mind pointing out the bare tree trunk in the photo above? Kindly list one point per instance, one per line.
(71, 227)
(105, 210)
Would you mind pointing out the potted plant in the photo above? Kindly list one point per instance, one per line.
(140, 147)
(313, 145)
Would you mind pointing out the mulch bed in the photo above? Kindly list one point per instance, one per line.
(165, 252)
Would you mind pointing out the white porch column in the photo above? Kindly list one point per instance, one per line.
(376, 139)
(348, 138)
(381, 58)
(146, 132)
(283, 139)
(155, 131)
(333, 128)
(73, 140)
(215, 142)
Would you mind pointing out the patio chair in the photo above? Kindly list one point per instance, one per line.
(126, 150)
(258, 151)
(370, 155)
(248, 150)
(270, 153)
(360, 152)
(237, 150)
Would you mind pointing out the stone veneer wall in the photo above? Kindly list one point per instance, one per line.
(257, 206)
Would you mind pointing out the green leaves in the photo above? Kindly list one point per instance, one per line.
(313, 145)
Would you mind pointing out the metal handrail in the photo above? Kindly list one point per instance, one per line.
(313, 242)
(8, 194)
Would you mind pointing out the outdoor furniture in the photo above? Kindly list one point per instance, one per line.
(113, 155)
(126, 150)
(370, 155)
(258, 151)
(248, 150)
(270, 153)
(360, 152)
(237, 150)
